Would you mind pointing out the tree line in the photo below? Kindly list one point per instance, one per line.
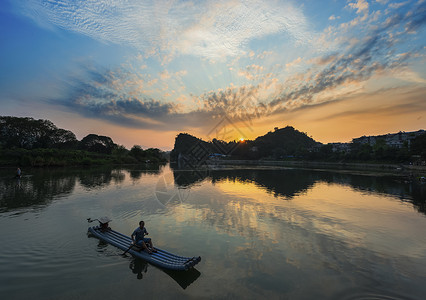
(27, 141)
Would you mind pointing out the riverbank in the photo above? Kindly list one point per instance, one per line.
(395, 169)
(41, 157)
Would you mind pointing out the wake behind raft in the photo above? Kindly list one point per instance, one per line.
(161, 258)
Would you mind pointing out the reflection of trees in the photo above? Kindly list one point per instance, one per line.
(290, 182)
(388, 185)
(104, 176)
(136, 173)
(38, 189)
(100, 177)
(43, 185)
(419, 197)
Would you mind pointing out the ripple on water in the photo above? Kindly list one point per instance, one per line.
(127, 215)
(45, 259)
(371, 294)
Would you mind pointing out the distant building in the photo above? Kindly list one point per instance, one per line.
(396, 140)
(369, 140)
(341, 147)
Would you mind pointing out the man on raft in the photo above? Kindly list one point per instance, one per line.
(139, 239)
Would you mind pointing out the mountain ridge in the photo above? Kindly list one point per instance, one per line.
(285, 141)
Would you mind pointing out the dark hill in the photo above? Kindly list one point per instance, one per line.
(282, 142)
(188, 145)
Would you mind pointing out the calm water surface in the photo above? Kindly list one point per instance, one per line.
(261, 233)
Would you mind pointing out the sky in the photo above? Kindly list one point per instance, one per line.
(142, 72)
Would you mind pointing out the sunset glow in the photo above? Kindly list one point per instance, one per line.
(143, 72)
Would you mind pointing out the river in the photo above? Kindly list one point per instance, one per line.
(262, 232)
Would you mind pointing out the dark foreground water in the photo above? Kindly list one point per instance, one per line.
(261, 233)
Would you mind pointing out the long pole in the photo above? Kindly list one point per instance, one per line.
(131, 246)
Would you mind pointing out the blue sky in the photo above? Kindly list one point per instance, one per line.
(143, 71)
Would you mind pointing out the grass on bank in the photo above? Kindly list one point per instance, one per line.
(59, 157)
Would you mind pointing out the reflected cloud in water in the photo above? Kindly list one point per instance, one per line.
(38, 187)
(262, 232)
(288, 183)
(315, 225)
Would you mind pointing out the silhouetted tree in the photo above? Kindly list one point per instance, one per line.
(97, 143)
(137, 152)
(29, 133)
(418, 146)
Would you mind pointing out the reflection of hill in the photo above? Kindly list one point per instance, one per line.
(285, 183)
(187, 178)
(290, 182)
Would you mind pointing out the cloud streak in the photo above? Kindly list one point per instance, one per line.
(224, 28)
(375, 53)
(209, 29)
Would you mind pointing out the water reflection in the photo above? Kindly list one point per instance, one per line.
(38, 187)
(289, 183)
(34, 190)
(152, 169)
(41, 186)
(376, 293)
(102, 246)
(262, 233)
(138, 267)
(94, 179)
(183, 278)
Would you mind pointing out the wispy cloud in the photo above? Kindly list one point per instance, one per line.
(341, 74)
(398, 5)
(129, 99)
(210, 29)
(376, 52)
(361, 6)
(111, 95)
(413, 103)
(98, 95)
